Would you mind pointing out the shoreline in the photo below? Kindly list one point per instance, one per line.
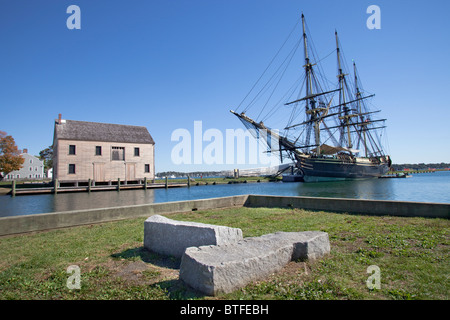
(55, 220)
(29, 188)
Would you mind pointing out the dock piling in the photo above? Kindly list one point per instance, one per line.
(13, 188)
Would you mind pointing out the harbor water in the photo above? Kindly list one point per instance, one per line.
(423, 187)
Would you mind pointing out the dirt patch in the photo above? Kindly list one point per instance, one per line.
(132, 271)
(137, 265)
(294, 268)
(142, 272)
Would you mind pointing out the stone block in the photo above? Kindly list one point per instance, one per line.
(307, 245)
(225, 268)
(171, 237)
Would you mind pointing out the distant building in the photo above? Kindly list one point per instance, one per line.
(49, 174)
(33, 169)
(101, 152)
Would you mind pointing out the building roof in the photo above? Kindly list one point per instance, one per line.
(30, 156)
(106, 132)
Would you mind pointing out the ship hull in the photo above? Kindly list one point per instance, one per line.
(330, 169)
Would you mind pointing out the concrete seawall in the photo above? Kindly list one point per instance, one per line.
(46, 221)
(358, 206)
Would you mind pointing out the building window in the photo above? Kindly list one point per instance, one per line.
(98, 150)
(31, 168)
(136, 152)
(31, 160)
(72, 149)
(118, 153)
(71, 169)
(147, 168)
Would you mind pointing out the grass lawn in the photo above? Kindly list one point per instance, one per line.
(412, 254)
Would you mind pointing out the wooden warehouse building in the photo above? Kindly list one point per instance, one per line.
(101, 152)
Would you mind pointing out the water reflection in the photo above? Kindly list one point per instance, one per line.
(104, 199)
(359, 189)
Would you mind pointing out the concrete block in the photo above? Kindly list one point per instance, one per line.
(225, 268)
(171, 237)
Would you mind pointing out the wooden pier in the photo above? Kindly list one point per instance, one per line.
(391, 176)
(90, 187)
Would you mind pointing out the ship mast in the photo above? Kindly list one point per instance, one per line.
(307, 65)
(358, 93)
(358, 98)
(313, 111)
(341, 76)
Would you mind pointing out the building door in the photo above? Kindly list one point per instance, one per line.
(131, 171)
(99, 171)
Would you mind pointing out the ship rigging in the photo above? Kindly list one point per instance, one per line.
(331, 133)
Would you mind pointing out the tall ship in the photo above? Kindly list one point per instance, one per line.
(326, 128)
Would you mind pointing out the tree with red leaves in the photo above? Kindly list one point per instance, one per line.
(10, 158)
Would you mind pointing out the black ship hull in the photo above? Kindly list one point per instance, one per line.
(330, 169)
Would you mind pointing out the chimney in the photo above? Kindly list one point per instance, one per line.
(25, 151)
(59, 118)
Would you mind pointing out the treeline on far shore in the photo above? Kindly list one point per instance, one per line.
(196, 174)
(421, 166)
(395, 167)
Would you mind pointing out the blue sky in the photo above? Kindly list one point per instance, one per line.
(165, 64)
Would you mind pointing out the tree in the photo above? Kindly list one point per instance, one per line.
(46, 155)
(10, 158)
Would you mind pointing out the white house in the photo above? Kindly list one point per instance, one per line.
(32, 168)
